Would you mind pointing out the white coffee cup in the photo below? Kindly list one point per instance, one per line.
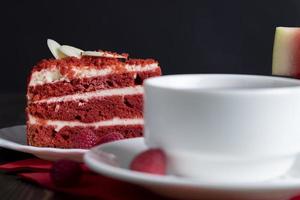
(224, 128)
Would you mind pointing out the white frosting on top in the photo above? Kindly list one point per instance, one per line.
(52, 74)
(99, 93)
(113, 122)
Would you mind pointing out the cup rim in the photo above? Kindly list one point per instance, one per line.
(159, 83)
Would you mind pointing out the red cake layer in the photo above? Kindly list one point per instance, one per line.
(46, 136)
(95, 109)
(62, 88)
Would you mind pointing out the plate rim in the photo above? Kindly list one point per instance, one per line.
(8, 144)
(146, 179)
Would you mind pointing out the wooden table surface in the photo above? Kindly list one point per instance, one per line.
(12, 187)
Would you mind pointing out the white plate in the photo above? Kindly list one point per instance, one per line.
(112, 159)
(14, 138)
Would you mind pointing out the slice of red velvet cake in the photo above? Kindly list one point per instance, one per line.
(79, 97)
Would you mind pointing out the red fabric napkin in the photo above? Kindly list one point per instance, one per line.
(90, 185)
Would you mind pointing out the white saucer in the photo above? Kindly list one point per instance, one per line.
(14, 138)
(112, 159)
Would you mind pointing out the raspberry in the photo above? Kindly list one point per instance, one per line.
(65, 173)
(110, 137)
(86, 139)
(152, 161)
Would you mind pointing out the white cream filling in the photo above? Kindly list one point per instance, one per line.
(53, 74)
(140, 68)
(46, 76)
(114, 122)
(99, 93)
(86, 72)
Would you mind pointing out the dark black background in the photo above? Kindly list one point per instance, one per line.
(185, 36)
